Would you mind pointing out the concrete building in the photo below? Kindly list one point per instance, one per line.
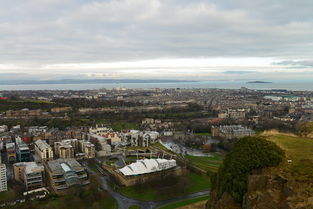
(64, 174)
(11, 153)
(88, 149)
(37, 130)
(22, 152)
(3, 128)
(65, 148)
(43, 150)
(140, 138)
(102, 146)
(30, 174)
(3, 177)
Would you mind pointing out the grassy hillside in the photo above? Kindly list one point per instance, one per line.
(296, 148)
(300, 151)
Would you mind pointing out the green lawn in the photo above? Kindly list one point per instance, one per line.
(206, 163)
(120, 125)
(7, 196)
(92, 199)
(167, 188)
(203, 134)
(300, 151)
(184, 202)
(79, 198)
(134, 207)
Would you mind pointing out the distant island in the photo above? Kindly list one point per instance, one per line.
(259, 82)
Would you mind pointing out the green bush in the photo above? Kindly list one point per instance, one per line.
(249, 153)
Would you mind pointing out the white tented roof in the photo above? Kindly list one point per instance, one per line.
(147, 166)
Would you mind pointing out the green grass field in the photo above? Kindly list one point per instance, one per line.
(120, 125)
(206, 163)
(203, 134)
(300, 151)
(84, 200)
(7, 196)
(134, 207)
(296, 148)
(168, 188)
(184, 202)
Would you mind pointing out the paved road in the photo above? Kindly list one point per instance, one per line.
(124, 202)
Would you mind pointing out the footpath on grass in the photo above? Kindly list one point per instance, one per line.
(125, 202)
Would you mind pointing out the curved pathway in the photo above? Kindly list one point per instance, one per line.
(124, 202)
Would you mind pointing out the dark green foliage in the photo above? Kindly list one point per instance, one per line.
(21, 104)
(249, 153)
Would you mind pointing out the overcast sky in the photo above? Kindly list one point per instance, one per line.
(182, 39)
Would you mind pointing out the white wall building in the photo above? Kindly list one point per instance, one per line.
(3, 177)
(147, 166)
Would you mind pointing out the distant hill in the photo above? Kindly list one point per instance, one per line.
(259, 82)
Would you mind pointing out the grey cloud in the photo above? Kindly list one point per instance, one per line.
(238, 72)
(78, 31)
(296, 64)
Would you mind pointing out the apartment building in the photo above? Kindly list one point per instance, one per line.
(140, 138)
(30, 174)
(88, 149)
(43, 150)
(3, 177)
(11, 152)
(65, 148)
(100, 129)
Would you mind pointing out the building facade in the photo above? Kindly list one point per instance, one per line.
(22, 152)
(30, 174)
(64, 174)
(43, 150)
(3, 177)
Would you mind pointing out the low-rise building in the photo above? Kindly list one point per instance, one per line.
(140, 138)
(64, 174)
(100, 129)
(30, 174)
(3, 128)
(231, 131)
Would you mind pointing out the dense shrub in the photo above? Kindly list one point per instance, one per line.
(248, 153)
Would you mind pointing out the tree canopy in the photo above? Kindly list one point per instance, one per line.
(248, 153)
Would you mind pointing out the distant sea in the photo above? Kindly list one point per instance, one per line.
(288, 85)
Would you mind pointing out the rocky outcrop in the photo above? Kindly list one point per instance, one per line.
(276, 192)
(268, 191)
(225, 202)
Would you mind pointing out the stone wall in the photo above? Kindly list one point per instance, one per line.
(145, 178)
